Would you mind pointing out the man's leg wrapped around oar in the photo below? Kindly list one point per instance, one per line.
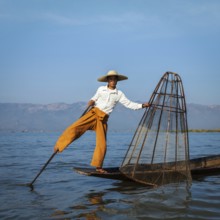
(95, 120)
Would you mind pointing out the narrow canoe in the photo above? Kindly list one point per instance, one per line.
(203, 166)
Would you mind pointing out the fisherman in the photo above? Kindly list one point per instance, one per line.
(102, 104)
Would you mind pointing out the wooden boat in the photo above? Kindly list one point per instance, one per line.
(200, 167)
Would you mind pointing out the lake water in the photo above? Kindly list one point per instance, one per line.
(61, 193)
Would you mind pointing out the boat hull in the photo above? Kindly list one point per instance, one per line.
(203, 166)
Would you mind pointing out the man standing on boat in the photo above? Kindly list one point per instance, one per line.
(102, 104)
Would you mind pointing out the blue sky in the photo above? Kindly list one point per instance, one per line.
(54, 50)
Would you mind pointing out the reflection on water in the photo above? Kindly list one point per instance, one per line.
(60, 193)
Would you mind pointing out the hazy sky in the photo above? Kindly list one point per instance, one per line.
(54, 50)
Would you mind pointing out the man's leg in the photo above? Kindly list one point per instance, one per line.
(74, 131)
(100, 149)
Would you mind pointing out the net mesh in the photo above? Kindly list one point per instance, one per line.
(159, 151)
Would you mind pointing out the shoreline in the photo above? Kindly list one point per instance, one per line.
(204, 130)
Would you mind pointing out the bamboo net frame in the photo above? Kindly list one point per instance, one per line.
(159, 151)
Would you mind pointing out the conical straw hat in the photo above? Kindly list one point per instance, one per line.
(112, 73)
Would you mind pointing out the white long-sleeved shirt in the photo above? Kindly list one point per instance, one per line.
(106, 99)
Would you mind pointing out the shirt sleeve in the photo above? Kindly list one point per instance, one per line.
(129, 104)
(96, 96)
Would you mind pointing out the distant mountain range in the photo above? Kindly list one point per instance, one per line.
(56, 117)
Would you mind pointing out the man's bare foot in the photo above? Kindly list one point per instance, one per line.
(100, 170)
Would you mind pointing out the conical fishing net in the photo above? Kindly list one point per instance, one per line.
(159, 151)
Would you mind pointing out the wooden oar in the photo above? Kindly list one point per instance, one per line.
(45, 165)
(42, 169)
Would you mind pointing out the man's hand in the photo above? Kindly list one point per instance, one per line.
(91, 103)
(145, 105)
